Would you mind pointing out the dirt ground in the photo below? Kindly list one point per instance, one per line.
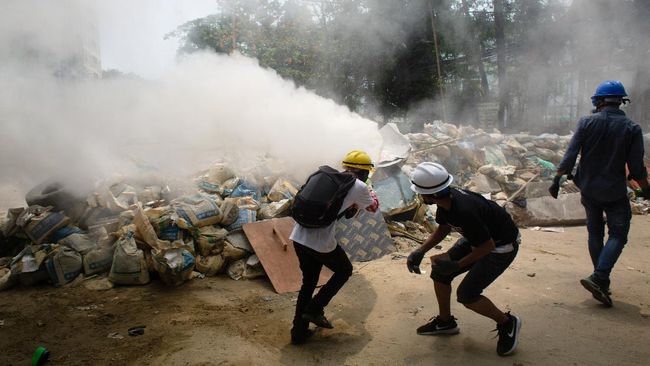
(218, 321)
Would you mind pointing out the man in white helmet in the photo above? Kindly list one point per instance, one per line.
(489, 243)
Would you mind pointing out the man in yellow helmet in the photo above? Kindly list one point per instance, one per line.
(358, 162)
(314, 238)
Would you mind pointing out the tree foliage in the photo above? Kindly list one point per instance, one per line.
(379, 58)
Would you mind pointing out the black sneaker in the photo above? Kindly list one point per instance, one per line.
(318, 319)
(300, 337)
(438, 326)
(598, 289)
(508, 335)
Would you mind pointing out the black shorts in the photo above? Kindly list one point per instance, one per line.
(480, 274)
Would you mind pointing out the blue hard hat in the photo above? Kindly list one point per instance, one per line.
(608, 88)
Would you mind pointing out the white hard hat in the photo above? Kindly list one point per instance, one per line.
(429, 178)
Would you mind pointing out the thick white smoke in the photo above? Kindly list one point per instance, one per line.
(207, 108)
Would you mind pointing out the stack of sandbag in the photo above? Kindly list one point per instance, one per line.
(39, 223)
(174, 263)
(247, 269)
(129, 266)
(131, 228)
(64, 266)
(197, 211)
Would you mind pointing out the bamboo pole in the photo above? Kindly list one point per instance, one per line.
(437, 50)
(514, 195)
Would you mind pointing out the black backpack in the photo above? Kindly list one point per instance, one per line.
(319, 200)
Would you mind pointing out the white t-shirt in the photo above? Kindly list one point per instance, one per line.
(323, 239)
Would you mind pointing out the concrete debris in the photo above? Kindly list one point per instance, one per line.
(549, 229)
(126, 229)
(547, 211)
(99, 284)
(516, 168)
(115, 335)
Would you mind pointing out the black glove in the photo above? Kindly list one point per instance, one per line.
(445, 267)
(350, 212)
(645, 193)
(554, 189)
(413, 261)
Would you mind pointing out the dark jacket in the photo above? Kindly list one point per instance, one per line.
(606, 141)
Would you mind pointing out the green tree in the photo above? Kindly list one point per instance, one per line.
(278, 34)
(377, 55)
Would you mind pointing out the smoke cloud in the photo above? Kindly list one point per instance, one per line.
(207, 108)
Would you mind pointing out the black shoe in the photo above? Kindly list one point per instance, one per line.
(437, 326)
(300, 337)
(319, 319)
(508, 335)
(598, 289)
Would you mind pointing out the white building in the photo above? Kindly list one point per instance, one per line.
(50, 37)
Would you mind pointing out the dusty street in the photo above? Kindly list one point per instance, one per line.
(220, 321)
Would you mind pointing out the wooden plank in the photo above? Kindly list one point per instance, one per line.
(270, 240)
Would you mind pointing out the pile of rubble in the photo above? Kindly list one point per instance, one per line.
(515, 170)
(491, 163)
(132, 230)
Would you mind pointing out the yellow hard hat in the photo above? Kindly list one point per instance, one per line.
(359, 160)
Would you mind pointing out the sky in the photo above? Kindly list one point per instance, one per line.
(131, 33)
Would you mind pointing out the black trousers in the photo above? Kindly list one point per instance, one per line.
(311, 263)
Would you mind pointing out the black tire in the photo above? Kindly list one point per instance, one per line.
(51, 193)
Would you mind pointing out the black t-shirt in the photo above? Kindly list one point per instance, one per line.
(478, 219)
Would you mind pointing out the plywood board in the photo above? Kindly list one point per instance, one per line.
(270, 240)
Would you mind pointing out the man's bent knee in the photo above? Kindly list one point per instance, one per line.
(466, 297)
(436, 277)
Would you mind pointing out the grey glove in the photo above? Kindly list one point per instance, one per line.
(350, 212)
(413, 261)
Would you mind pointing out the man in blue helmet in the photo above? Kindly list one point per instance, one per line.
(606, 141)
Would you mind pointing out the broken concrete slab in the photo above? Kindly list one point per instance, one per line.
(485, 184)
(537, 189)
(548, 211)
